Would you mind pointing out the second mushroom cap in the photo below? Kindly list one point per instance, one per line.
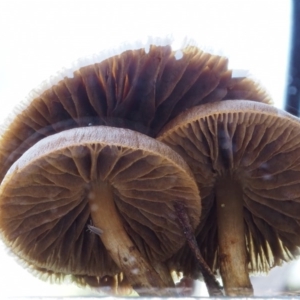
(246, 160)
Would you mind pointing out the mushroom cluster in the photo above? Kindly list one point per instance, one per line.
(148, 162)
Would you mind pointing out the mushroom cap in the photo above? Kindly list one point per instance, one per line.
(44, 209)
(138, 89)
(259, 146)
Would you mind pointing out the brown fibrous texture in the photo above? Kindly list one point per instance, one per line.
(138, 90)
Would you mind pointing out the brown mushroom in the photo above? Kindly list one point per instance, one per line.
(138, 89)
(246, 160)
(125, 182)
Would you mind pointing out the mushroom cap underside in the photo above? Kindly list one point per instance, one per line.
(259, 146)
(115, 284)
(137, 89)
(44, 209)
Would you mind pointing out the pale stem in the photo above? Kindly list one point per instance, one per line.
(144, 279)
(231, 236)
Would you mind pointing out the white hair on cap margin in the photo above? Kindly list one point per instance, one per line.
(68, 71)
(177, 44)
(98, 58)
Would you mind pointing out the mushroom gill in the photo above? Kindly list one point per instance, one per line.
(246, 160)
(123, 183)
(138, 89)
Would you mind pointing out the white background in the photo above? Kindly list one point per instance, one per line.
(38, 38)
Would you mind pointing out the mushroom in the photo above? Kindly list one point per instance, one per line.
(138, 89)
(246, 160)
(126, 183)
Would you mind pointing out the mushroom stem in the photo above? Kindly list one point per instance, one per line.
(212, 284)
(231, 235)
(144, 279)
